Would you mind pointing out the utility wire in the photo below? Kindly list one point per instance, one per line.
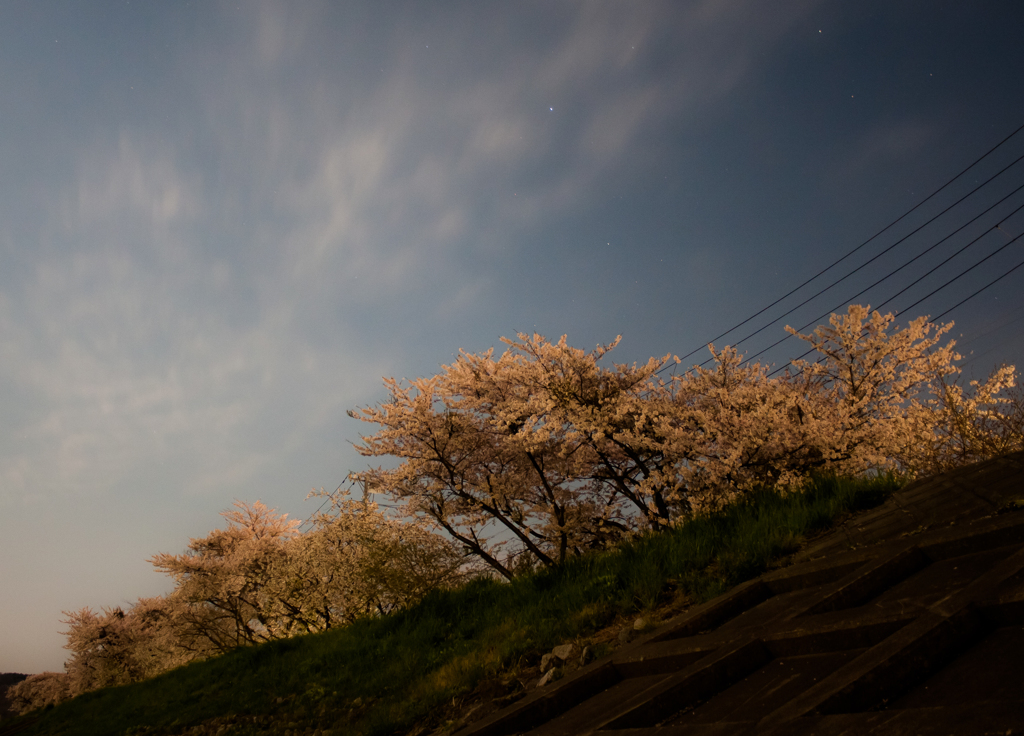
(933, 270)
(932, 293)
(850, 253)
(326, 501)
(990, 283)
(975, 337)
(916, 281)
(871, 260)
(1011, 316)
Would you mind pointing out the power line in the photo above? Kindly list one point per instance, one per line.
(1011, 316)
(947, 260)
(875, 258)
(859, 247)
(916, 281)
(1014, 318)
(990, 283)
(327, 500)
(935, 291)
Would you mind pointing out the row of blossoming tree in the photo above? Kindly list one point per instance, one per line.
(256, 580)
(542, 454)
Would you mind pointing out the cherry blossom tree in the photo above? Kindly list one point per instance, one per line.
(260, 579)
(732, 427)
(38, 691)
(118, 646)
(358, 561)
(851, 409)
(224, 579)
(544, 452)
(872, 376)
(607, 423)
(256, 580)
(962, 425)
(492, 457)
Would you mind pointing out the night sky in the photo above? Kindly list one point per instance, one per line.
(222, 223)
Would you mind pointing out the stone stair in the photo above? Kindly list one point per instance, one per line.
(909, 619)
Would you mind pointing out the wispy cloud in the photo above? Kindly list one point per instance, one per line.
(203, 292)
(125, 351)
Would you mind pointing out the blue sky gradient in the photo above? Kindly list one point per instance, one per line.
(222, 223)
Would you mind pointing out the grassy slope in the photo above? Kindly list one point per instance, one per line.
(385, 675)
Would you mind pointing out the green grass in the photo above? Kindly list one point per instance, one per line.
(382, 676)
